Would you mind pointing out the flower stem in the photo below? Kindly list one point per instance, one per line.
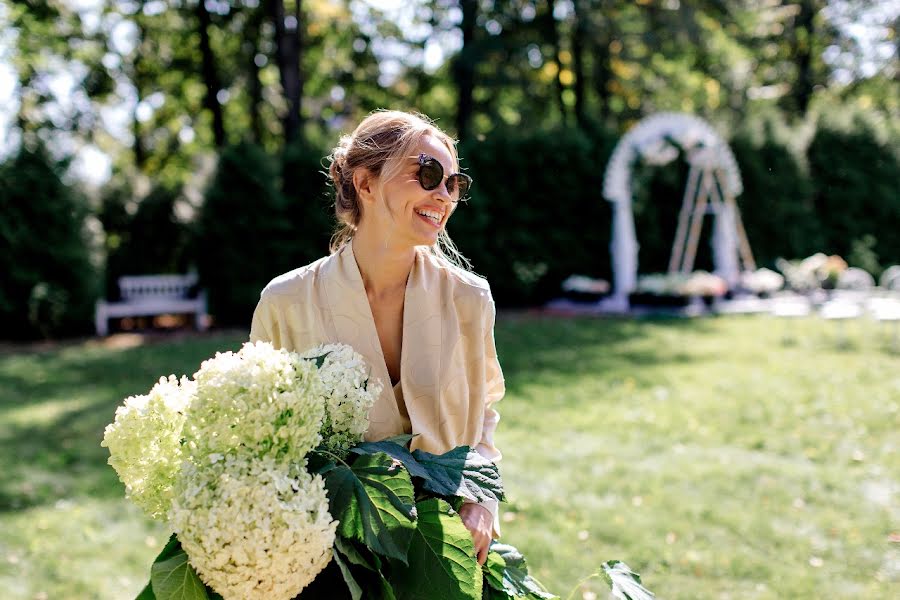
(578, 585)
(332, 455)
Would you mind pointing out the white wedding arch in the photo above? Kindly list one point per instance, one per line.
(713, 183)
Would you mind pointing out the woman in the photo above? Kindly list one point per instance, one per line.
(393, 290)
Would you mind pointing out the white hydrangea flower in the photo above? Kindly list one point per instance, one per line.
(349, 394)
(144, 443)
(260, 401)
(253, 528)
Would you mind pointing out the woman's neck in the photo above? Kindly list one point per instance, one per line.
(384, 267)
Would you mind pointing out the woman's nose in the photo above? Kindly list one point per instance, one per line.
(443, 193)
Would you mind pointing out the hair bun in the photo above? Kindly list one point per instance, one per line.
(336, 168)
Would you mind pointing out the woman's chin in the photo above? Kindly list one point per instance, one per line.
(427, 237)
(425, 241)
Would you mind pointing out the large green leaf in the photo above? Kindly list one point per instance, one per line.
(441, 558)
(493, 577)
(374, 503)
(516, 580)
(402, 440)
(172, 576)
(491, 593)
(172, 547)
(461, 472)
(319, 461)
(356, 592)
(370, 578)
(626, 584)
(396, 451)
(146, 593)
(353, 555)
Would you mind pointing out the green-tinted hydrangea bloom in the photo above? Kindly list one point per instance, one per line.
(349, 394)
(144, 443)
(256, 402)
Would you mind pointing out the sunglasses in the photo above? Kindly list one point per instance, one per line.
(431, 175)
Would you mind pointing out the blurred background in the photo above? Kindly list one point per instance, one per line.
(750, 456)
(176, 136)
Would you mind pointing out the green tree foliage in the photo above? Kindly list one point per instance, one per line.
(49, 282)
(152, 240)
(777, 205)
(240, 233)
(51, 43)
(247, 232)
(536, 214)
(309, 205)
(854, 175)
(657, 198)
(159, 87)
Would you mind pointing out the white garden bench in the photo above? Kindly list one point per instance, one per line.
(151, 295)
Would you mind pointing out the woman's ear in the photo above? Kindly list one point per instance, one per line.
(364, 184)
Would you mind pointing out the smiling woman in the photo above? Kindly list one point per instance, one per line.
(391, 155)
(396, 289)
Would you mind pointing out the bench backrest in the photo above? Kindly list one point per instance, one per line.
(135, 288)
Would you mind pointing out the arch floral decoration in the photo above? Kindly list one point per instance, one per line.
(713, 182)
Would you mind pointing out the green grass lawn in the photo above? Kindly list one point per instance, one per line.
(710, 455)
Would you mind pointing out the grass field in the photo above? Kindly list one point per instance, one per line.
(710, 455)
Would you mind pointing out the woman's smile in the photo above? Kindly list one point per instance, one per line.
(431, 216)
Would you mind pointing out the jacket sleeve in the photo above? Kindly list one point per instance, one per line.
(495, 388)
(264, 327)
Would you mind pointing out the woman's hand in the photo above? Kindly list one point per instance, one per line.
(480, 523)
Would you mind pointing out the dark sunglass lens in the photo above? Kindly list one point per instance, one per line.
(458, 186)
(465, 183)
(431, 174)
(451, 185)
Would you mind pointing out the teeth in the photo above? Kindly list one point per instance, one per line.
(434, 216)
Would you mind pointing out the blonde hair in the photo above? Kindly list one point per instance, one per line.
(379, 144)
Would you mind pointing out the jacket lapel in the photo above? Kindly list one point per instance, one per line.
(421, 372)
(354, 325)
(420, 362)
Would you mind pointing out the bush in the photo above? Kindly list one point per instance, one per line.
(248, 232)
(49, 283)
(537, 213)
(854, 177)
(151, 241)
(309, 203)
(657, 196)
(777, 205)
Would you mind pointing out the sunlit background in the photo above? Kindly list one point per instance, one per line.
(728, 438)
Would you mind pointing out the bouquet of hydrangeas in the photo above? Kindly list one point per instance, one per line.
(259, 467)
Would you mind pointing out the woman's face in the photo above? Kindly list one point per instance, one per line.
(409, 214)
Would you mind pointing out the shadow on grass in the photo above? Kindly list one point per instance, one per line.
(55, 405)
(561, 347)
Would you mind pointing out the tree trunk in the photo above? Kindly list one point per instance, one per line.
(140, 152)
(551, 34)
(288, 48)
(464, 69)
(579, 33)
(254, 85)
(210, 76)
(602, 70)
(804, 32)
